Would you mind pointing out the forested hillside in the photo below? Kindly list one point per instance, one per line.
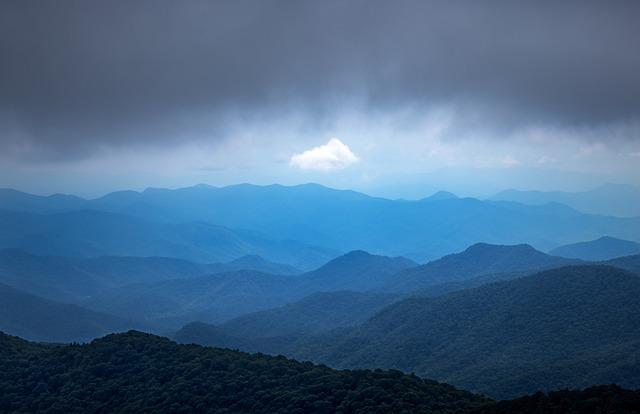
(480, 259)
(566, 327)
(136, 372)
(222, 296)
(269, 329)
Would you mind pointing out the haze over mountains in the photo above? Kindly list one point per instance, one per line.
(404, 207)
(38, 319)
(334, 276)
(302, 225)
(604, 248)
(564, 327)
(92, 233)
(221, 296)
(609, 199)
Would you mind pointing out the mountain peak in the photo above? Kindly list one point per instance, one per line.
(487, 247)
(603, 248)
(357, 254)
(440, 195)
(252, 259)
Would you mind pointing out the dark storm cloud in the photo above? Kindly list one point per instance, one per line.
(75, 76)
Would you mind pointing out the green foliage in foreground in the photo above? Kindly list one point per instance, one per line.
(136, 372)
(606, 399)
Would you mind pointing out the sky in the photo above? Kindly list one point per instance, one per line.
(399, 98)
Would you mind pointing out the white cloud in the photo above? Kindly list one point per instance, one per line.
(509, 161)
(545, 159)
(334, 155)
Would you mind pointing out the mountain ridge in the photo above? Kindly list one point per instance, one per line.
(344, 220)
(603, 248)
(563, 327)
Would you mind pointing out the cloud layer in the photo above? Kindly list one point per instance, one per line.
(334, 155)
(79, 76)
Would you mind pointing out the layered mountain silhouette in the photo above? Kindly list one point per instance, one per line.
(630, 263)
(356, 271)
(609, 199)
(39, 319)
(120, 373)
(218, 297)
(604, 248)
(341, 220)
(316, 313)
(73, 279)
(565, 327)
(98, 233)
(490, 262)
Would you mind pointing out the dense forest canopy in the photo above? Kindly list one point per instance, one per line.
(138, 372)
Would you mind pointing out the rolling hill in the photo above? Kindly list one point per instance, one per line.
(136, 372)
(478, 265)
(565, 327)
(72, 279)
(96, 233)
(478, 260)
(630, 263)
(218, 297)
(356, 271)
(39, 319)
(604, 248)
(314, 314)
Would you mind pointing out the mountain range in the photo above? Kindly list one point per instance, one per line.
(92, 233)
(312, 215)
(40, 319)
(609, 199)
(604, 248)
(221, 296)
(564, 327)
(73, 279)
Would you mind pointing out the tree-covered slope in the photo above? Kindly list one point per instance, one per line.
(356, 271)
(566, 327)
(630, 263)
(480, 259)
(604, 399)
(223, 296)
(136, 372)
(211, 298)
(604, 248)
(316, 313)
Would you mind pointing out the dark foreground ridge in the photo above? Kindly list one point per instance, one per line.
(138, 372)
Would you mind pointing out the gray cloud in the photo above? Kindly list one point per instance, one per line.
(78, 75)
